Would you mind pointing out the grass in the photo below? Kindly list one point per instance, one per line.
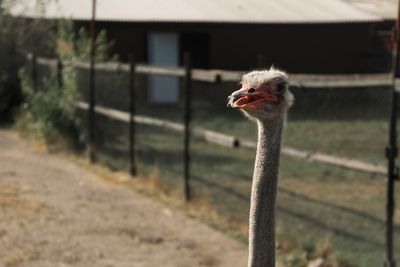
(316, 202)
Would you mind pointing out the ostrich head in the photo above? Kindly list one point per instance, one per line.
(264, 95)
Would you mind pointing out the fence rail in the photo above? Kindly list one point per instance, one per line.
(234, 142)
(217, 75)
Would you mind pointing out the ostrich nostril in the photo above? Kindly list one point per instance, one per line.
(251, 90)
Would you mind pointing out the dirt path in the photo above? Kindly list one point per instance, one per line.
(54, 213)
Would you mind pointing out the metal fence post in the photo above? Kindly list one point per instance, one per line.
(92, 94)
(391, 150)
(132, 110)
(391, 154)
(34, 72)
(59, 73)
(187, 94)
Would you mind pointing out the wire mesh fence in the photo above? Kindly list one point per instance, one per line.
(321, 207)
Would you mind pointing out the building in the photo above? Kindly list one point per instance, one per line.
(301, 36)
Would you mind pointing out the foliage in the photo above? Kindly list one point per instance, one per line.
(49, 111)
(15, 36)
(76, 45)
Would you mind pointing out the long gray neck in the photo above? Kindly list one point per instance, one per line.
(263, 194)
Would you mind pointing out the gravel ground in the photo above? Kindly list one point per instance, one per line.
(54, 213)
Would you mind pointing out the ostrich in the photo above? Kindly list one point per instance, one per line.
(264, 98)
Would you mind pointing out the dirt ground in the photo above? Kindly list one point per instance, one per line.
(54, 213)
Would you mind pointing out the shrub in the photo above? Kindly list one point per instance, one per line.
(49, 112)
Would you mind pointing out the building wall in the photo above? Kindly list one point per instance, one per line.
(308, 48)
(128, 40)
(299, 48)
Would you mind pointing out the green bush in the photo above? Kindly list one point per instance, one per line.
(49, 112)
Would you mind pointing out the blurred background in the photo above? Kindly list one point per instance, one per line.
(332, 188)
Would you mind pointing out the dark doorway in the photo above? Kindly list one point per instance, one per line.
(198, 44)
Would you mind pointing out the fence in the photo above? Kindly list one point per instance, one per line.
(218, 76)
(335, 129)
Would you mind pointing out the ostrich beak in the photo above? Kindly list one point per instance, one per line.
(236, 95)
(250, 98)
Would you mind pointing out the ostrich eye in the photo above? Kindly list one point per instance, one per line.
(251, 90)
(280, 87)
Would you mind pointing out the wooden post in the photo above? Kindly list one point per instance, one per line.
(132, 111)
(187, 94)
(92, 93)
(59, 73)
(34, 72)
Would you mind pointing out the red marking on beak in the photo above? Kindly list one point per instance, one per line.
(253, 99)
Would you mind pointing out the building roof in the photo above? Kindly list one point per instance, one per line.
(387, 9)
(203, 11)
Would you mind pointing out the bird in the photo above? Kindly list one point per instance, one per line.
(264, 98)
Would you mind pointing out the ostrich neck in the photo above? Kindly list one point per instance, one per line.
(263, 194)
